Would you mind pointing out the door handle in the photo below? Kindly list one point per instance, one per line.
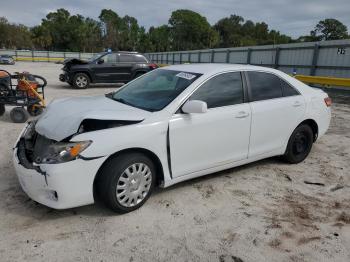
(297, 103)
(242, 114)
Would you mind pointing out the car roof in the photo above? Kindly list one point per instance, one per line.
(205, 68)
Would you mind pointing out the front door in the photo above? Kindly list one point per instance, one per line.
(217, 137)
(105, 70)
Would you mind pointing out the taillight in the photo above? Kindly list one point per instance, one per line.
(153, 66)
(328, 101)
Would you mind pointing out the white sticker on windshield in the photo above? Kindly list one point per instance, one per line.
(187, 76)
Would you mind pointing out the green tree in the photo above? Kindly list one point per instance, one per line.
(230, 30)
(160, 38)
(190, 30)
(111, 23)
(330, 29)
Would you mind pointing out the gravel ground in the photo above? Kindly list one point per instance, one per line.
(259, 212)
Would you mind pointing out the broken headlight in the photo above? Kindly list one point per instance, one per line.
(64, 152)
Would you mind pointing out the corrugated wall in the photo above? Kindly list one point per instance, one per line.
(325, 58)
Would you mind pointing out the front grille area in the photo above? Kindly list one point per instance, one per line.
(32, 147)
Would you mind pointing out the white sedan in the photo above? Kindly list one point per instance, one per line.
(167, 126)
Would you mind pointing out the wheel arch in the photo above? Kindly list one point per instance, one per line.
(155, 159)
(314, 126)
(137, 71)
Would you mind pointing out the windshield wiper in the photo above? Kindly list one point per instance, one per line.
(109, 95)
(123, 101)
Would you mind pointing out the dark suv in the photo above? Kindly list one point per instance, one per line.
(118, 67)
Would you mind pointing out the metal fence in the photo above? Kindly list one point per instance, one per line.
(44, 56)
(325, 58)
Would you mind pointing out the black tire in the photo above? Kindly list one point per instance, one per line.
(19, 115)
(109, 177)
(34, 110)
(81, 81)
(299, 144)
(2, 109)
(70, 83)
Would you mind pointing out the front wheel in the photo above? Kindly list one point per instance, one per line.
(126, 182)
(81, 81)
(299, 144)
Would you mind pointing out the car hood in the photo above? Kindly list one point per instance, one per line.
(62, 117)
(75, 61)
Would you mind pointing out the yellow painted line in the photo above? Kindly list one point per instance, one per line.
(43, 59)
(324, 80)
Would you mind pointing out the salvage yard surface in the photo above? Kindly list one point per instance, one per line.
(265, 211)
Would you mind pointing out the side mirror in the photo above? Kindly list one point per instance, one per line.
(194, 106)
(100, 61)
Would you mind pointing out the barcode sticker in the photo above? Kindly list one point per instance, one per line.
(187, 76)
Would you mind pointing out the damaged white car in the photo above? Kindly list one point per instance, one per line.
(167, 126)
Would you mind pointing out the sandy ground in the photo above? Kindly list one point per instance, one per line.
(259, 212)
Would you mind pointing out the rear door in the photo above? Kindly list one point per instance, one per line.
(126, 63)
(217, 137)
(277, 108)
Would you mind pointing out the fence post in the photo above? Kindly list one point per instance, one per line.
(228, 56)
(167, 58)
(32, 55)
(314, 59)
(189, 57)
(16, 54)
(48, 56)
(277, 56)
(249, 53)
(64, 55)
(181, 58)
(199, 56)
(212, 56)
(173, 58)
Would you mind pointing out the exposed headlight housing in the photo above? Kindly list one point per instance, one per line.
(64, 152)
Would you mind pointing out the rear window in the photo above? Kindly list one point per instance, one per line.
(140, 59)
(264, 86)
(123, 58)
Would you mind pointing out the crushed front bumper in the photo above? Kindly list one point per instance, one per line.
(64, 77)
(58, 186)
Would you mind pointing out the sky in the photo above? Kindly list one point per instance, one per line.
(291, 17)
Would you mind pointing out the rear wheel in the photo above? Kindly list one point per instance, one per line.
(299, 144)
(81, 81)
(19, 115)
(126, 182)
(2, 109)
(138, 74)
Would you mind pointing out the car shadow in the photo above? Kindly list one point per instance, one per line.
(26, 207)
(230, 171)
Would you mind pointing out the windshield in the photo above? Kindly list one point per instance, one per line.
(155, 90)
(95, 56)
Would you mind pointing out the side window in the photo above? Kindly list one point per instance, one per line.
(110, 58)
(222, 90)
(264, 86)
(140, 59)
(126, 58)
(288, 90)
